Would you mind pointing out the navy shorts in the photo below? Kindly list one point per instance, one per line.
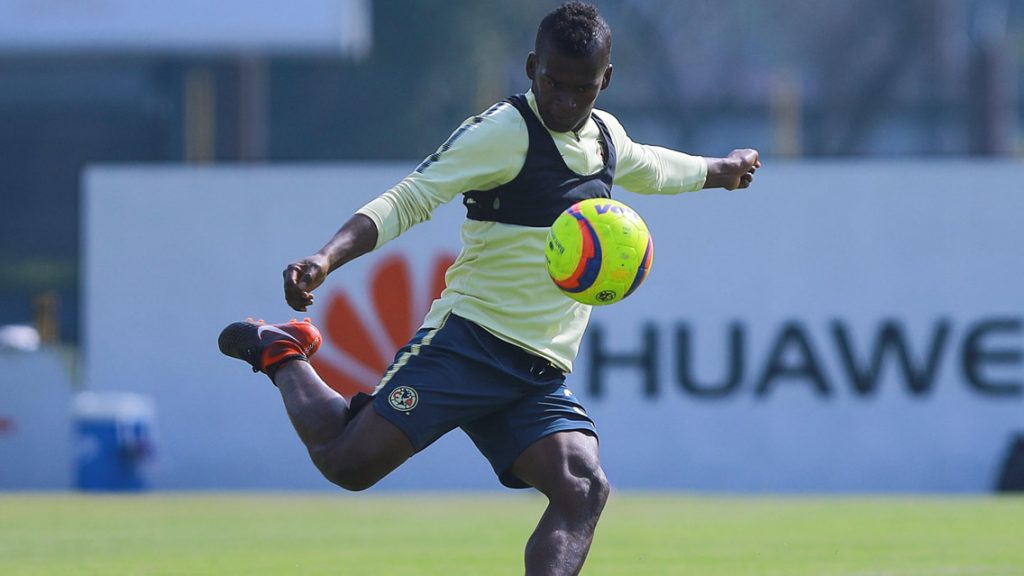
(462, 376)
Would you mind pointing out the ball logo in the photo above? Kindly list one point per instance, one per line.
(403, 399)
(606, 296)
(616, 209)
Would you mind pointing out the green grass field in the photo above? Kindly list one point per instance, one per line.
(482, 534)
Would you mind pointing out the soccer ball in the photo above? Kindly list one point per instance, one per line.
(599, 251)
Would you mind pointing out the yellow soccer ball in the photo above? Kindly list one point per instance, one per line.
(599, 251)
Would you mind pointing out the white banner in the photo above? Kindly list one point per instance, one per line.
(327, 26)
(839, 327)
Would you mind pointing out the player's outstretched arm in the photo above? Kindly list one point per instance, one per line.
(355, 238)
(734, 171)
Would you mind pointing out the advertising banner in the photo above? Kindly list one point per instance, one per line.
(846, 326)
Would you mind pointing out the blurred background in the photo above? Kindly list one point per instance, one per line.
(108, 82)
(101, 81)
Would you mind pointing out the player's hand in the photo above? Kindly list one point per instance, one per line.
(741, 165)
(301, 278)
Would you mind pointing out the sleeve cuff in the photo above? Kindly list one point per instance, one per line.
(377, 210)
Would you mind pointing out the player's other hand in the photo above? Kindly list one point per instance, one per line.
(741, 165)
(301, 278)
(734, 171)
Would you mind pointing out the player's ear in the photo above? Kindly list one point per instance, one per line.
(607, 77)
(531, 65)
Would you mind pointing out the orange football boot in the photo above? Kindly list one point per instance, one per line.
(267, 346)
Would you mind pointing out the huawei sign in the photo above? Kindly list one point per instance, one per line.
(395, 310)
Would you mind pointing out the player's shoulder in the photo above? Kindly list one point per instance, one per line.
(609, 119)
(493, 138)
(618, 133)
(501, 115)
(499, 125)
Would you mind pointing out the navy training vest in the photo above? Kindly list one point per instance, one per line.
(545, 186)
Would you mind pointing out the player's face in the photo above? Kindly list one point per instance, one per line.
(566, 87)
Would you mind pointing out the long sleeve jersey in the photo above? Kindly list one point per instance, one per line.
(499, 279)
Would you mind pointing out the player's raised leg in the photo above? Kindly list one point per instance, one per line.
(352, 451)
(566, 468)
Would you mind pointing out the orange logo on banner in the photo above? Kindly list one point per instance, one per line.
(393, 308)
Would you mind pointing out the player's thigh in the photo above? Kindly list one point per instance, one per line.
(369, 449)
(371, 437)
(563, 463)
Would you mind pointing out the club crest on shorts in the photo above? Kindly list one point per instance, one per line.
(403, 399)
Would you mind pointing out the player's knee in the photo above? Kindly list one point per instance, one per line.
(355, 483)
(346, 476)
(344, 472)
(599, 489)
(584, 492)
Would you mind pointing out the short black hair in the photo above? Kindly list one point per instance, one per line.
(574, 29)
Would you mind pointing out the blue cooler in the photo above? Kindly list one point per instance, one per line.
(113, 440)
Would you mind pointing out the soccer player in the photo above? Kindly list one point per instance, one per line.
(493, 352)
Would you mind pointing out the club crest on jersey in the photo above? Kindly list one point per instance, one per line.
(403, 398)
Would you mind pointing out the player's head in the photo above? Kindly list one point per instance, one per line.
(570, 64)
